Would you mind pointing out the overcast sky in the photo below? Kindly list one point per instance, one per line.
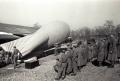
(77, 13)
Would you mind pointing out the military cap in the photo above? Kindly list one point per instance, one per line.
(74, 45)
(69, 37)
(69, 44)
(63, 50)
(56, 44)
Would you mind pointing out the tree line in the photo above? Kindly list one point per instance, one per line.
(99, 31)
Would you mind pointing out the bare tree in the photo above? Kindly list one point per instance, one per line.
(109, 26)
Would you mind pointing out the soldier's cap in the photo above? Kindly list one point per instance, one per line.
(74, 45)
(69, 37)
(69, 44)
(55, 44)
(63, 50)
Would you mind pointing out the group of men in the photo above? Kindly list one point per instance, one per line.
(107, 50)
(70, 61)
(10, 57)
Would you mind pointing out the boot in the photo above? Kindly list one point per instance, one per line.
(79, 68)
(113, 64)
(57, 78)
(100, 63)
(73, 74)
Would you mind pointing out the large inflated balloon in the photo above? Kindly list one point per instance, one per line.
(47, 35)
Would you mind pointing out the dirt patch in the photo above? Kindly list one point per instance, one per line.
(45, 72)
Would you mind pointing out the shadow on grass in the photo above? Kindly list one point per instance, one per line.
(96, 63)
(3, 64)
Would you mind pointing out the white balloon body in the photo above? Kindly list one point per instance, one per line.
(49, 34)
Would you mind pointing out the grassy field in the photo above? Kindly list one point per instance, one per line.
(45, 72)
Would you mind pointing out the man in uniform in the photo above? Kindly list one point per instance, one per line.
(112, 56)
(118, 47)
(85, 52)
(2, 54)
(7, 58)
(106, 49)
(16, 55)
(69, 53)
(82, 55)
(74, 59)
(70, 40)
(91, 52)
(61, 65)
(58, 68)
(95, 50)
(56, 49)
(1, 60)
(101, 52)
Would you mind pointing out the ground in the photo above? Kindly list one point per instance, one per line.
(45, 72)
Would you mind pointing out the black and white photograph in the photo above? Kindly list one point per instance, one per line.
(59, 40)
